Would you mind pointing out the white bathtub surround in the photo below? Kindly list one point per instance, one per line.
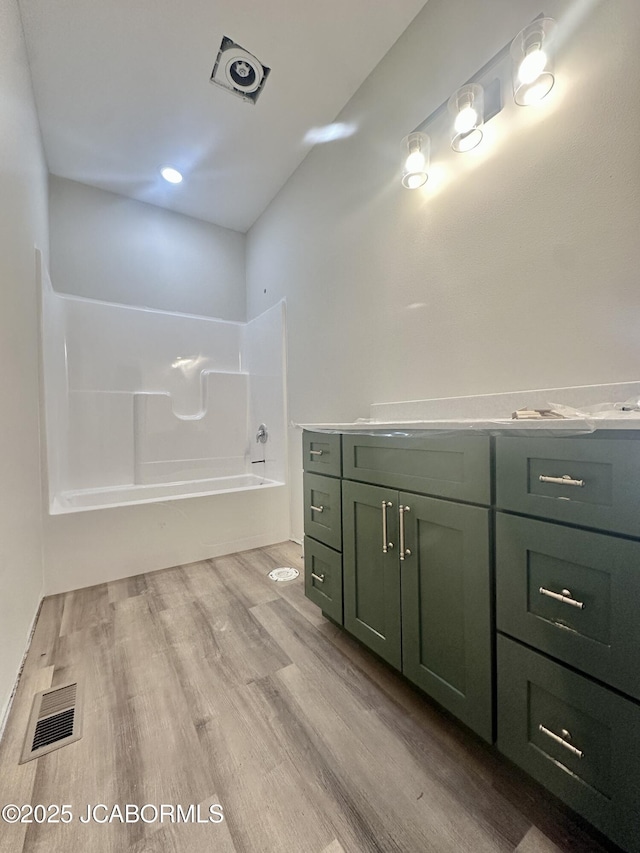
(146, 405)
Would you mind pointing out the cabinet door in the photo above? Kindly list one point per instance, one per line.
(450, 466)
(322, 453)
(446, 607)
(573, 594)
(323, 578)
(578, 738)
(593, 482)
(371, 576)
(322, 509)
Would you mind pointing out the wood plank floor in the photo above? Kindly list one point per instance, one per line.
(208, 684)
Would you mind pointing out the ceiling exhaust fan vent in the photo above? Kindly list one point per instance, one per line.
(238, 71)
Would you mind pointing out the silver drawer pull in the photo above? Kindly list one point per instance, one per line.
(319, 578)
(565, 597)
(316, 452)
(563, 741)
(565, 480)
(317, 508)
(404, 552)
(386, 545)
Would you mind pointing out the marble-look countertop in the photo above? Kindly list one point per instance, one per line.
(491, 412)
(549, 425)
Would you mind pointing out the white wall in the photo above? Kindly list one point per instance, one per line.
(23, 223)
(518, 270)
(109, 247)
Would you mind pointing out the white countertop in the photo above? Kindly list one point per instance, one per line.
(550, 425)
(486, 412)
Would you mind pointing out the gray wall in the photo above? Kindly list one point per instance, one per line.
(23, 223)
(106, 246)
(516, 267)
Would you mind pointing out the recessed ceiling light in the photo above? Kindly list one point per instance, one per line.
(171, 175)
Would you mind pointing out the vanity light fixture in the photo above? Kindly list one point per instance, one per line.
(467, 109)
(170, 174)
(460, 120)
(415, 148)
(532, 62)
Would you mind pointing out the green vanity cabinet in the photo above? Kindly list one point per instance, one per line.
(589, 481)
(576, 737)
(322, 509)
(417, 586)
(501, 575)
(322, 463)
(447, 606)
(323, 577)
(573, 594)
(567, 604)
(322, 453)
(371, 575)
(448, 466)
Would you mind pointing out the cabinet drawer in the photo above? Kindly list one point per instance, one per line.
(580, 740)
(323, 578)
(599, 572)
(322, 453)
(323, 509)
(455, 467)
(594, 482)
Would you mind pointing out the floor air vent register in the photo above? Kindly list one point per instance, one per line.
(55, 721)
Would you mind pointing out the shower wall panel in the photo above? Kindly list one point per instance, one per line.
(137, 397)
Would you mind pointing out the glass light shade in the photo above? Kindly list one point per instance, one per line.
(416, 148)
(466, 107)
(532, 54)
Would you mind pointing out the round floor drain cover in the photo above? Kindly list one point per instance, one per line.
(285, 574)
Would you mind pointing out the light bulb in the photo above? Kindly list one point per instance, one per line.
(532, 66)
(466, 120)
(171, 175)
(532, 57)
(415, 162)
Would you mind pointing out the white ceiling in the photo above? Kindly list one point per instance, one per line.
(122, 87)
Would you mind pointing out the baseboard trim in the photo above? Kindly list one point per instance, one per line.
(7, 710)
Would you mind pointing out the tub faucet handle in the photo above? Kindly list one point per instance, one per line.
(262, 435)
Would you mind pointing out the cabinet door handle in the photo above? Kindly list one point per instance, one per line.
(317, 508)
(386, 545)
(565, 597)
(316, 452)
(565, 480)
(319, 578)
(404, 551)
(563, 741)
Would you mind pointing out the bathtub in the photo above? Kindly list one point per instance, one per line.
(82, 500)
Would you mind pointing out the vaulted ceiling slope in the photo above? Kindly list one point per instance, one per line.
(122, 87)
